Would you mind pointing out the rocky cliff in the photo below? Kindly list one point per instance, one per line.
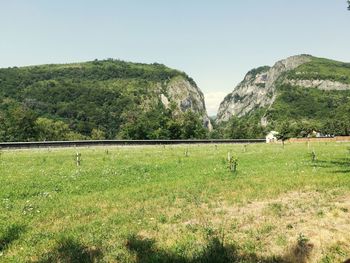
(186, 96)
(257, 90)
(262, 86)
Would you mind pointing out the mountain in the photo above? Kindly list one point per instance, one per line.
(104, 99)
(305, 91)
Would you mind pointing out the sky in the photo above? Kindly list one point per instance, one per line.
(214, 42)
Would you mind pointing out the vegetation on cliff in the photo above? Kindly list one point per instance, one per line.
(304, 109)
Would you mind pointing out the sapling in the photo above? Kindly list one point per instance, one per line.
(302, 240)
(78, 158)
(302, 249)
(186, 152)
(284, 133)
(233, 163)
(313, 156)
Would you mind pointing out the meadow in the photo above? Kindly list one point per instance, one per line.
(176, 204)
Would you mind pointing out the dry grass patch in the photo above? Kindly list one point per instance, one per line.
(298, 226)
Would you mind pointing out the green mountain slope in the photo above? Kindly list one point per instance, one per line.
(100, 100)
(304, 92)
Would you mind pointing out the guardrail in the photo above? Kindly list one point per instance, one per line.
(46, 144)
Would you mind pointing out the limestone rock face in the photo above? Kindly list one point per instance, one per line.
(258, 89)
(186, 96)
(319, 84)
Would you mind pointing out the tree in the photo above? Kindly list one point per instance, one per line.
(284, 132)
(234, 129)
(243, 128)
(98, 134)
(146, 125)
(349, 5)
(305, 127)
(192, 127)
(50, 130)
(3, 128)
(20, 123)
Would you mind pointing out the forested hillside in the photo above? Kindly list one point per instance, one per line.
(99, 100)
(301, 94)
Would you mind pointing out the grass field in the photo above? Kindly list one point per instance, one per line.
(154, 204)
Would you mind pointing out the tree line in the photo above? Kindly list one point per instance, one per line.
(19, 123)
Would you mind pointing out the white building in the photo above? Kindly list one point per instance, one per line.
(271, 137)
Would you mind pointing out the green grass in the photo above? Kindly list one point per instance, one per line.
(154, 204)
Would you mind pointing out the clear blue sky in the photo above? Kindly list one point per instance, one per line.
(215, 42)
